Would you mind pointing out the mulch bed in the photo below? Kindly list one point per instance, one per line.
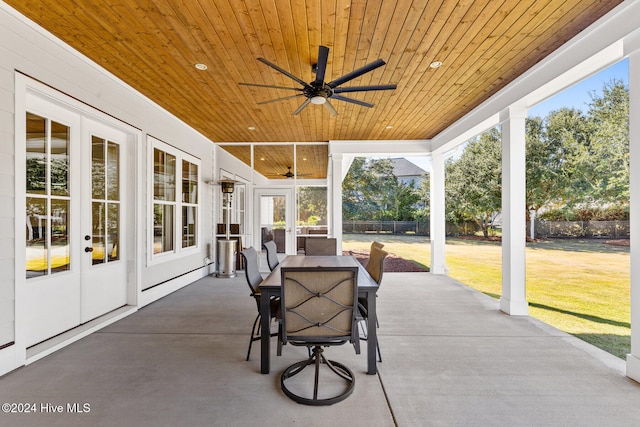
(616, 242)
(392, 263)
(620, 242)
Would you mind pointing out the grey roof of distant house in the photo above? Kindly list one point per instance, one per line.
(403, 167)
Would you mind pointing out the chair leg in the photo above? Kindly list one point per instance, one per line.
(279, 339)
(252, 338)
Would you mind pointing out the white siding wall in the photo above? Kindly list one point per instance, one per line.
(26, 49)
(7, 289)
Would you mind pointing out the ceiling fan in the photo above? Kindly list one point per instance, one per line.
(318, 92)
(290, 174)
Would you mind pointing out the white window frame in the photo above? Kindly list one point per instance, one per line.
(177, 251)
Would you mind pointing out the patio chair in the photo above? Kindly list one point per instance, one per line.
(254, 278)
(272, 254)
(319, 310)
(320, 246)
(374, 244)
(375, 268)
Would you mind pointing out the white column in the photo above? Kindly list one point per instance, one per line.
(335, 202)
(633, 359)
(437, 221)
(514, 223)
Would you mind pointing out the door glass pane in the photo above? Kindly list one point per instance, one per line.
(37, 256)
(163, 231)
(97, 168)
(311, 214)
(98, 232)
(273, 210)
(113, 171)
(189, 226)
(113, 229)
(47, 217)
(106, 197)
(60, 260)
(59, 159)
(36, 154)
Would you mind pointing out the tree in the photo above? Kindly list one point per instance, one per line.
(424, 196)
(474, 181)
(567, 133)
(405, 197)
(312, 205)
(370, 191)
(609, 143)
(358, 191)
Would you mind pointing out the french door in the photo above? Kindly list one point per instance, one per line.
(274, 218)
(75, 266)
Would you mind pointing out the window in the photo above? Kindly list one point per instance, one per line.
(189, 203)
(175, 212)
(238, 201)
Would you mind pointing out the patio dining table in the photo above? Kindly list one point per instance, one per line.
(271, 286)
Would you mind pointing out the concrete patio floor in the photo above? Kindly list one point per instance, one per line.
(450, 358)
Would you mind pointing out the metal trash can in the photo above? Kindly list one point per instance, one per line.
(226, 258)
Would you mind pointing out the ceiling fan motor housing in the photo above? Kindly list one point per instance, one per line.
(314, 89)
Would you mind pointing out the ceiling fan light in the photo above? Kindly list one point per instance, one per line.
(318, 100)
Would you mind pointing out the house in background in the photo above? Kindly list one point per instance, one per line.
(408, 172)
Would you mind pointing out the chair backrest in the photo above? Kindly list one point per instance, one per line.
(318, 231)
(272, 254)
(251, 269)
(375, 265)
(376, 245)
(320, 246)
(319, 304)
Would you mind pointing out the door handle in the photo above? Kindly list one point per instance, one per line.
(88, 249)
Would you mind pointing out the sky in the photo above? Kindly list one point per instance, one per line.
(576, 96)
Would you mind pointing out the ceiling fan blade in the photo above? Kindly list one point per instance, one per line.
(351, 100)
(285, 72)
(321, 67)
(357, 73)
(329, 107)
(271, 86)
(278, 99)
(300, 108)
(364, 88)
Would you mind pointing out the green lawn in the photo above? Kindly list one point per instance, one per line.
(578, 286)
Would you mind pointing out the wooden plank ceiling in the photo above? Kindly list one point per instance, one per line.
(153, 45)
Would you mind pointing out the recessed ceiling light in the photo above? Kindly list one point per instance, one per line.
(389, 127)
(262, 158)
(436, 64)
(304, 158)
(251, 128)
(201, 67)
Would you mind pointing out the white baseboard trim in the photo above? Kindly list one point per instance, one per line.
(153, 294)
(45, 348)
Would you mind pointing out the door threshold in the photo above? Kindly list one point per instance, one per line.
(45, 348)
